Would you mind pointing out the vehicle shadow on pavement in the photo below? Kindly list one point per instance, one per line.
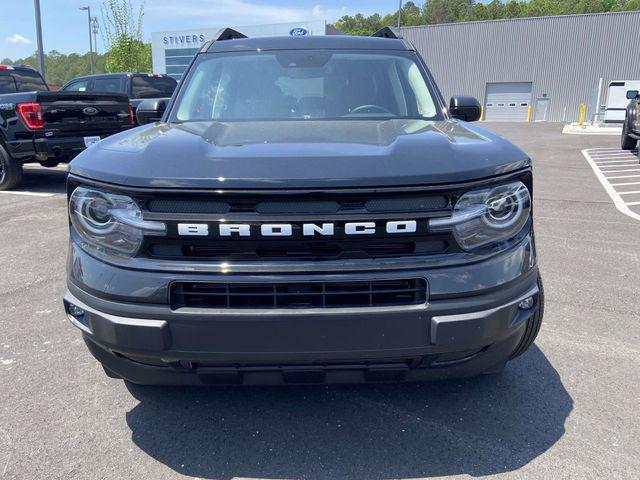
(43, 180)
(478, 426)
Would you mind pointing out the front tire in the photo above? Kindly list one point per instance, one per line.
(533, 325)
(10, 171)
(626, 142)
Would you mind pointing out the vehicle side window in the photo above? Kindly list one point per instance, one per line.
(152, 87)
(106, 85)
(77, 86)
(7, 84)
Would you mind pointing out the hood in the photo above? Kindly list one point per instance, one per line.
(299, 154)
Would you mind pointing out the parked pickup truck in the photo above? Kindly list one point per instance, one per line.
(631, 125)
(37, 125)
(137, 86)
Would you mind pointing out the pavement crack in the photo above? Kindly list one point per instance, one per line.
(6, 449)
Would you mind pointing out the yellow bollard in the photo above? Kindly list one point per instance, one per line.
(583, 113)
(481, 113)
(529, 113)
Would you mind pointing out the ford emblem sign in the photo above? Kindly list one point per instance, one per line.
(90, 111)
(298, 32)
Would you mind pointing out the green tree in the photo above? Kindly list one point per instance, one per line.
(451, 11)
(60, 67)
(629, 5)
(359, 24)
(411, 15)
(448, 11)
(512, 9)
(122, 30)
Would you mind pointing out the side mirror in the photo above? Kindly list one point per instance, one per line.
(151, 110)
(465, 108)
(631, 94)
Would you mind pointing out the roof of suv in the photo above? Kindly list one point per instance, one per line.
(121, 74)
(331, 42)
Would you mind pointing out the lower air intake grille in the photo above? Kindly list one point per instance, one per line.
(376, 293)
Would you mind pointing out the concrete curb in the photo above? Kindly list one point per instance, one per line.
(591, 129)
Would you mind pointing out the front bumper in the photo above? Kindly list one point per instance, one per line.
(460, 333)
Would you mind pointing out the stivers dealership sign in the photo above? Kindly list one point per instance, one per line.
(186, 39)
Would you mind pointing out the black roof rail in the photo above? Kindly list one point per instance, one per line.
(20, 65)
(222, 34)
(227, 34)
(205, 46)
(387, 32)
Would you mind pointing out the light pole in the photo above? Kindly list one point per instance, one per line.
(88, 9)
(95, 33)
(36, 4)
(399, 12)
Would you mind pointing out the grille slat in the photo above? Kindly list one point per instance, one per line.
(293, 294)
(382, 204)
(297, 250)
(188, 206)
(375, 293)
(297, 207)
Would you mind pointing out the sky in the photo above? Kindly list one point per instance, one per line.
(64, 26)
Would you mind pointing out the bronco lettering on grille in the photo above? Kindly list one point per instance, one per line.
(287, 229)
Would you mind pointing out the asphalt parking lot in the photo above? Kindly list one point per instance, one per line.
(569, 408)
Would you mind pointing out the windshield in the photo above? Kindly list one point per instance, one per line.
(7, 84)
(12, 81)
(29, 81)
(305, 84)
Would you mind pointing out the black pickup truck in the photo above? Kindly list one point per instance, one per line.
(37, 125)
(136, 86)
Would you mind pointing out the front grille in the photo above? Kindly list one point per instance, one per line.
(337, 208)
(375, 293)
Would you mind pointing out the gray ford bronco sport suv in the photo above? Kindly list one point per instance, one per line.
(308, 210)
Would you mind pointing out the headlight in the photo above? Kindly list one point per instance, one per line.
(491, 215)
(110, 223)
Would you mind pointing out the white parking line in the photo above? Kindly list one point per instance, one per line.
(29, 194)
(611, 157)
(618, 201)
(623, 163)
(618, 161)
(623, 184)
(629, 193)
(611, 172)
(621, 168)
(626, 170)
(612, 152)
(623, 176)
(596, 151)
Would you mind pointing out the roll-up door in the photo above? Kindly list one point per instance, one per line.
(507, 101)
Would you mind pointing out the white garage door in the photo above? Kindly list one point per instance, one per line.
(507, 102)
